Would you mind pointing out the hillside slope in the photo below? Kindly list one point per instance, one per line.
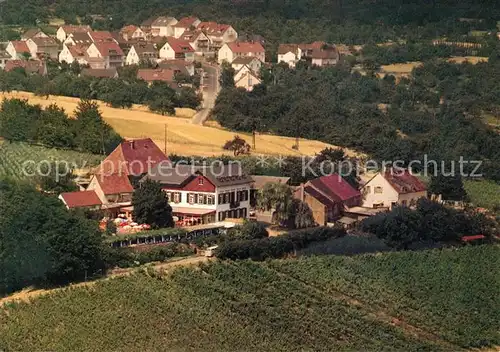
(425, 301)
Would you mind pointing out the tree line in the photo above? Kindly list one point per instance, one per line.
(438, 111)
(122, 92)
(52, 127)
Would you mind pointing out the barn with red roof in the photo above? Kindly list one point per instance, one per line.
(85, 199)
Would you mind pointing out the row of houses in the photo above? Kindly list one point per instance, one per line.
(204, 195)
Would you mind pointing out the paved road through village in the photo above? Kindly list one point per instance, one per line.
(211, 83)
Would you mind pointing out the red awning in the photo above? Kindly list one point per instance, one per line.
(473, 238)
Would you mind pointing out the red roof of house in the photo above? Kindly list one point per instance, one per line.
(335, 186)
(180, 46)
(114, 183)
(213, 27)
(312, 46)
(151, 74)
(20, 46)
(78, 50)
(130, 29)
(81, 199)
(101, 36)
(30, 66)
(246, 47)
(186, 22)
(73, 28)
(108, 48)
(404, 182)
(132, 157)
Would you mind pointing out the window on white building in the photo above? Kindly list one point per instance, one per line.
(177, 197)
(379, 189)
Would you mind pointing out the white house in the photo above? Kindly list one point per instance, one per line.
(289, 54)
(202, 195)
(219, 34)
(177, 49)
(64, 31)
(253, 63)
(43, 47)
(70, 53)
(393, 187)
(230, 51)
(78, 38)
(105, 55)
(4, 57)
(141, 52)
(198, 40)
(162, 26)
(18, 49)
(131, 32)
(245, 78)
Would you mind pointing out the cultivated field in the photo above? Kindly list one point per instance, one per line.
(183, 138)
(18, 160)
(484, 194)
(443, 300)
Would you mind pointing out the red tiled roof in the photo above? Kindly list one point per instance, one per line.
(132, 157)
(74, 29)
(246, 47)
(329, 202)
(20, 46)
(108, 48)
(29, 66)
(335, 186)
(130, 29)
(404, 182)
(312, 46)
(213, 27)
(81, 199)
(101, 36)
(179, 46)
(39, 41)
(114, 183)
(330, 53)
(78, 50)
(151, 74)
(186, 22)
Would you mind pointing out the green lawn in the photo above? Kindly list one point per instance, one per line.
(484, 193)
(406, 301)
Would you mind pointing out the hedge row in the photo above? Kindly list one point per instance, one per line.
(276, 247)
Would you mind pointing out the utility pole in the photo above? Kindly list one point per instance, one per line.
(253, 139)
(165, 145)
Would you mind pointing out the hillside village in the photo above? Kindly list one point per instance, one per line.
(166, 44)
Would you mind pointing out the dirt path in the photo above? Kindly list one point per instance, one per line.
(28, 294)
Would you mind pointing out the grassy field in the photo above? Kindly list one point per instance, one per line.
(413, 301)
(484, 193)
(19, 160)
(183, 138)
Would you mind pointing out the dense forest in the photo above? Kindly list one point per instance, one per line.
(348, 21)
(439, 112)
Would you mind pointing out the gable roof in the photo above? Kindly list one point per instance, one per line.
(330, 53)
(335, 187)
(162, 21)
(108, 48)
(322, 198)
(30, 33)
(245, 75)
(4, 55)
(311, 46)
(30, 66)
(100, 72)
(245, 47)
(213, 28)
(219, 176)
(186, 22)
(74, 28)
(404, 182)
(20, 46)
(130, 29)
(78, 50)
(244, 60)
(80, 199)
(81, 38)
(132, 157)
(44, 41)
(152, 74)
(114, 183)
(144, 48)
(179, 45)
(190, 35)
(288, 48)
(101, 36)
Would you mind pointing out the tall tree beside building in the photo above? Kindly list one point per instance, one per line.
(276, 197)
(151, 206)
(449, 187)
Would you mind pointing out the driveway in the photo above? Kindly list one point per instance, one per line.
(210, 91)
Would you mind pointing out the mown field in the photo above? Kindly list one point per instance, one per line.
(20, 160)
(183, 137)
(484, 193)
(414, 301)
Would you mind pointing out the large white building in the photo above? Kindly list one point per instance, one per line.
(202, 195)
